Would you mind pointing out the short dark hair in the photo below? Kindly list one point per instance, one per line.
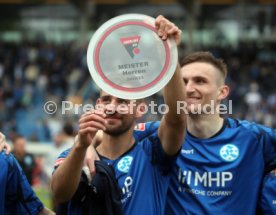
(205, 57)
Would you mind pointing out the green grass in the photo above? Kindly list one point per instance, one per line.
(43, 193)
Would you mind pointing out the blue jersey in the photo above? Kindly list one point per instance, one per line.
(16, 194)
(222, 174)
(143, 173)
(268, 195)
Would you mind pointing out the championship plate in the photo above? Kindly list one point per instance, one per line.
(127, 59)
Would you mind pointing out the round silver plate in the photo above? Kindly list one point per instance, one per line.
(127, 59)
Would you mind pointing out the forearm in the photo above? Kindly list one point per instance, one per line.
(172, 128)
(66, 178)
(174, 93)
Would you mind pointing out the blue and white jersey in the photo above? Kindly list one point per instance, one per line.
(222, 174)
(16, 194)
(143, 173)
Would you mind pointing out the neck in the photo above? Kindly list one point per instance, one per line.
(113, 147)
(204, 126)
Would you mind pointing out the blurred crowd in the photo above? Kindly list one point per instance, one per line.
(251, 77)
(33, 73)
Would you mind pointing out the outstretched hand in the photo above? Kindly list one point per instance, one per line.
(166, 29)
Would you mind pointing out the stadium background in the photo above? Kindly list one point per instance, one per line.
(43, 58)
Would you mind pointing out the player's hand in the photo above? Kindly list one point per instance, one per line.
(89, 124)
(166, 29)
(4, 144)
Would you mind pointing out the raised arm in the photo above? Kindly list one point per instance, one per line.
(172, 127)
(66, 178)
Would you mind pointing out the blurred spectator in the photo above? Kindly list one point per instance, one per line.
(68, 136)
(62, 141)
(25, 159)
(253, 100)
(271, 102)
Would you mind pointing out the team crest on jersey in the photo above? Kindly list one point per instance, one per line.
(229, 152)
(124, 164)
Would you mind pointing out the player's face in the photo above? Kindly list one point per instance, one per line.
(201, 85)
(119, 116)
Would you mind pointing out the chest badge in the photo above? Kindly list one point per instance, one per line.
(124, 164)
(229, 152)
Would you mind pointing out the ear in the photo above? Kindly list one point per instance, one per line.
(98, 101)
(141, 110)
(98, 105)
(223, 92)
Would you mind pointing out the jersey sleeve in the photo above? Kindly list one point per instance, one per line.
(144, 130)
(153, 148)
(267, 203)
(61, 158)
(267, 136)
(20, 198)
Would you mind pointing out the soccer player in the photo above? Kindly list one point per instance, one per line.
(223, 161)
(142, 168)
(16, 194)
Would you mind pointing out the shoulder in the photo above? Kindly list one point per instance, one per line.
(147, 126)
(65, 153)
(152, 138)
(4, 161)
(250, 128)
(62, 157)
(143, 130)
(9, 165)
(7, 159)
